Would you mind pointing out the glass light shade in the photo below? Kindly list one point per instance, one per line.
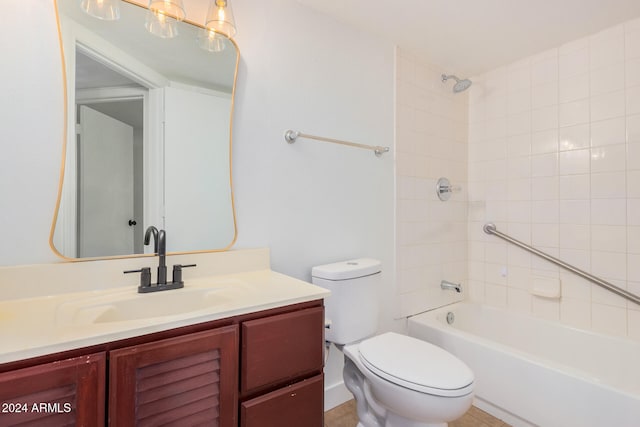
(161, 25)
(169, 8)
(108, 10)
(220, 18)
(211, 41)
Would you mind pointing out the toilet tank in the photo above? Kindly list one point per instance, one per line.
(352, 308)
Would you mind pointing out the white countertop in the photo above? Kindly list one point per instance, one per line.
(40, 325)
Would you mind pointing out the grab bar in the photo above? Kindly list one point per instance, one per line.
(490, 228)
(291, 135)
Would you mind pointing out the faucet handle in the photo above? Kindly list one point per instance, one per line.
(177, 271)
(145, 277)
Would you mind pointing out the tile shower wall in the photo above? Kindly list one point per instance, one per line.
(554, 160)
(431, 142)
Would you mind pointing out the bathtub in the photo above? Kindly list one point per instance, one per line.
(534, 372)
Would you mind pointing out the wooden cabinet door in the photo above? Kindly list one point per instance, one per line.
(299, 405)
(65, 393)
(182, 381)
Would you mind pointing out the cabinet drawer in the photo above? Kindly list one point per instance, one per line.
(300, 405)
(281, 348)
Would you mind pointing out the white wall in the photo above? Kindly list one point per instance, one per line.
(554, 160)
(310, 202)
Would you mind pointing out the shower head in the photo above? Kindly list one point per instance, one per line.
(460, 86)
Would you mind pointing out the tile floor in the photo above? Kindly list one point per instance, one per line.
(345, 416)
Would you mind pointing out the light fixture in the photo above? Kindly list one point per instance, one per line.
(163, 16)
(220, 18)
(169, 8)
(161, 25)
(108, 10)
(211, 41)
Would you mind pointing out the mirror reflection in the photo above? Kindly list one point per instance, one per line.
(148, 140)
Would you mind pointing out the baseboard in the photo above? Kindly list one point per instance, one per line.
(336, 394)
(500, 413)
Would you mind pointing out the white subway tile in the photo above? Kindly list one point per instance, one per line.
(633, 100)
(545, 188)
(633, 239)
(574, 212)
(609, 185)
(544, 118)
(519, 100)
(633, 267)
(610, 158)
(495, 295)
(574, 137)
(519, 189)
(544, 165)
(633, 211)
(609, 320)
(608, 106)
(546, 235)
(574, 88)
(609, 238)
(575, 287)
(545, 141)
(575, 186)
(574, 162)
(545, 308)
(545, 70)
(632, 44)
(609, 211)
(607, 79)
(544, 95)
(518, 167)
(633, 156)
(518, 300)
(633, 129)
(574, 113)
(575, 312)
(633, 324)
(580, 258)
(633, 184)
(519, 211)
(520, 145)
(607, 132)
(545, 211)
(518, 124)
(632, 72)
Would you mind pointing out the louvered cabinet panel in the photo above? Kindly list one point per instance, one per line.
(183, 381)
(65, 393)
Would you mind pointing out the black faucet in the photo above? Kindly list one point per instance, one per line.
(160, 248)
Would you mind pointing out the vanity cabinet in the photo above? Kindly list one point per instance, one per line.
(187, 380)
(258, 369)
(66, 392)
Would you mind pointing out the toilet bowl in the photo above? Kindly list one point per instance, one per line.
(397, 380)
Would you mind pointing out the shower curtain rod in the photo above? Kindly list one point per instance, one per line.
(291, 135)
(490, 228)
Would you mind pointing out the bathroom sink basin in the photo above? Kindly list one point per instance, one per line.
(133, 306)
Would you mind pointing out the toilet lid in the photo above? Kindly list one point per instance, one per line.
(416, 364)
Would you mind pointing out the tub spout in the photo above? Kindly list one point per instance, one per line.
(450, 285)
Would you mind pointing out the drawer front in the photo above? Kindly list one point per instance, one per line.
(300, 405)
(281, 348)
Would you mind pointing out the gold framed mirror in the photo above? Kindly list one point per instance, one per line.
(148, 136)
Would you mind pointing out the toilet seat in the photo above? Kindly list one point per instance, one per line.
(415, 364)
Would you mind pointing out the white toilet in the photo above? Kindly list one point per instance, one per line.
(397, 380)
